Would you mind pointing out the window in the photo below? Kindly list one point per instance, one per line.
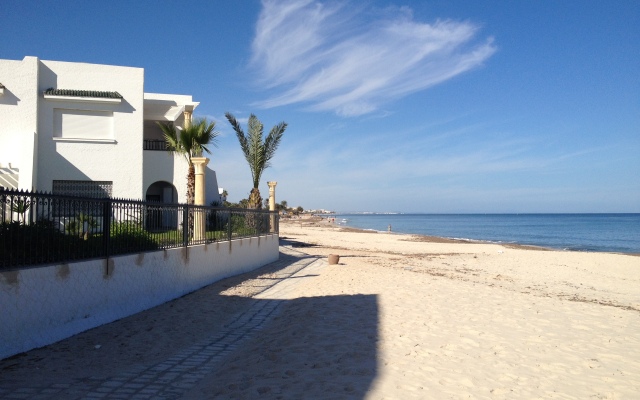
(85, 189)
(92, 189)
(83, 124)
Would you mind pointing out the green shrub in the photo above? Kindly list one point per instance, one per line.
(130, 237)
(41, 243)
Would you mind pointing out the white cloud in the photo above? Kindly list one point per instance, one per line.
(328, 57)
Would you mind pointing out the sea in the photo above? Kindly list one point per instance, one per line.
(619, 233)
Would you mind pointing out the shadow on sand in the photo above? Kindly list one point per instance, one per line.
(317, 347)
(310, 347)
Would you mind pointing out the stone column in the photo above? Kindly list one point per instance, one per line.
(272, 203)
(187, 118)
(199, 217)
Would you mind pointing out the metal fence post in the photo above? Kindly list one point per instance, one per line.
(229, 228)
(185, 225)
(106, 226)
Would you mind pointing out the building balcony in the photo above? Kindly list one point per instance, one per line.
(154, 144)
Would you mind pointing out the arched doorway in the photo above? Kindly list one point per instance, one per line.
(162, 192)
(161, 217)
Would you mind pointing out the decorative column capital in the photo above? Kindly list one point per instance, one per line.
(272, 195)
(199, 164)
(187, 118)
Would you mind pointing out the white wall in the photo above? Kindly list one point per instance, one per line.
(164, 166)
(43, 305)
(28, 128)
(119, 160)
(160, 165)
(18, 117)
(211, 187)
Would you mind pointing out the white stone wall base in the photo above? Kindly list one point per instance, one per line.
(43, 305)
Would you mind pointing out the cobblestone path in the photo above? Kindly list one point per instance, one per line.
(170, 378)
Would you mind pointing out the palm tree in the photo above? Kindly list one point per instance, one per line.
(257, 152)
(21, 206)
(190, 142)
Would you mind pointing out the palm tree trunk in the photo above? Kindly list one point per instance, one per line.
(191, 184)
(255, 201)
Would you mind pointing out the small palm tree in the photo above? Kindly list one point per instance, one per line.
(21, 206)
(190, 142)
(90, 223)
(257, 152)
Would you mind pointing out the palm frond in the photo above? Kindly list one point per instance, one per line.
(172, 139)
(256, 151)
(190, 142)
(244, 143)
(201, 133)
(272, 142)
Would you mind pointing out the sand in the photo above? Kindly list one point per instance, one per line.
(400, 317)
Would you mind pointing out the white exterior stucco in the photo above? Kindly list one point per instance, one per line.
(18, 128)
(118, 160)
(43, 305)
(33, 143)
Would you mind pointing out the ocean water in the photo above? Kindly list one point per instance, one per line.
(581, 232)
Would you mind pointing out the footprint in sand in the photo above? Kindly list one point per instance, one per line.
(592, 363)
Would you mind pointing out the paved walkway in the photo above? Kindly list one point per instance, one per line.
(170, 378)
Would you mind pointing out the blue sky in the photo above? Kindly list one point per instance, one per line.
(411, 106)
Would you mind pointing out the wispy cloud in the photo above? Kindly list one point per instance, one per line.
(329, 57)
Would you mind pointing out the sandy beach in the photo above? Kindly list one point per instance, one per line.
(443, 319)
(400, 317)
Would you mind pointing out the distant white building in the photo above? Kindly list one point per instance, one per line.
(90, 129)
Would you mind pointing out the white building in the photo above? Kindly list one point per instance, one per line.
(90, 129)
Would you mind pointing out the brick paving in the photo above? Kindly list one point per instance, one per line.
(170, 378)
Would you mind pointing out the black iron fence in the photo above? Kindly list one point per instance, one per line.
(40, 228)
(152, 144)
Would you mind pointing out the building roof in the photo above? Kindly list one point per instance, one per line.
(82, 93)
(167, 107)
(9, 176)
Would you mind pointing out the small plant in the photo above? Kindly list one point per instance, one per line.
(129, 236)
(88, 225)
(21, 207)
(82, 226)
(72, 227)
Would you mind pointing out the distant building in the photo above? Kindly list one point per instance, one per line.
(320, 211)
(90, 130)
